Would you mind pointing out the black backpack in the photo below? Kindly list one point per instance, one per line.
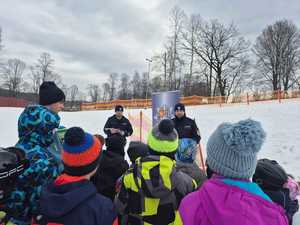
(269, 174)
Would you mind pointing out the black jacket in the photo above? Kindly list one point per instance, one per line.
(111, 167)
(282, 198)
(75, 203)
(122, 124)
(186, 128)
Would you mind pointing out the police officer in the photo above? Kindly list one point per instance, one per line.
(185, 126)
(118, 124)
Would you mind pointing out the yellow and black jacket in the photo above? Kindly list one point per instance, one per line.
(151, 192)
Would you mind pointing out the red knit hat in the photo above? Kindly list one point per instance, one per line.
(81, 152)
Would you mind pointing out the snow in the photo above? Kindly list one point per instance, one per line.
(281, 122)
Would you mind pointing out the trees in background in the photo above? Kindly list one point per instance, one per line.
(12, 75)
(277, 50)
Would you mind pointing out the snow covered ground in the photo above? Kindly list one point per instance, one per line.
(280, 120)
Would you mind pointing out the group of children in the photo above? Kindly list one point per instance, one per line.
(90, 185)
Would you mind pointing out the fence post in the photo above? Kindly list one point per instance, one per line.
(248, 103)
(141, 124)
(279, 95)
(200, 147)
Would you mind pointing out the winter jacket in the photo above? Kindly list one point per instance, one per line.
(152, 190)
(75, 203)
(223, 201)
(122, 124)
(186, 128)
(282, 197)
(111, 167)
(35, 127)
(193, 170)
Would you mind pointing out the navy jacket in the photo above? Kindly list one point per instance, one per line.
(75, 203)
(122, 124)
(186, 128)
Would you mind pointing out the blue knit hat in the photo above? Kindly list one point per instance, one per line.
(232, 148)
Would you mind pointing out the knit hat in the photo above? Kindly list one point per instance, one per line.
(269, 174)
(163, 138)
(232, 148)
(179, 106)
(137, 149)
(119, 108)
(116, 143)
(81, 152)
(50, 93)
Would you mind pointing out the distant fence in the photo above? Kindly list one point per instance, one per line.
(198, 100)
(13, 102)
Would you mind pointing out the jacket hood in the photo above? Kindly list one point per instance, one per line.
(110, 159)
(36, 125)
(157, 175)
(58, 200)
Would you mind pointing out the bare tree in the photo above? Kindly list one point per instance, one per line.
(73, 94)
(106, 90)
(42, 71)
(12, 75)
(112, 80)
(222, 49)
(278, 54)
(189, 35)
(35, 79)
(45, 66)
(124, 88)
(136, 85)
(177, 19)
(94, 92)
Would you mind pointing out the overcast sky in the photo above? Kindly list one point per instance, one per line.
(90, 39)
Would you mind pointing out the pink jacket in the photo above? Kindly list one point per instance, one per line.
(218, 203)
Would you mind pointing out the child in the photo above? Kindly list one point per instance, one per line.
(229, 197)
(112, 166)
(72, 199)
(275, 182)
(152, 188)
(185, 160)
(36, 125)
(137, 149)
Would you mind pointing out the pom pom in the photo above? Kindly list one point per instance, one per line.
(244, 136)
(74, 136)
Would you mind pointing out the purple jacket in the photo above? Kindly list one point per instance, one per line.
(218, 203)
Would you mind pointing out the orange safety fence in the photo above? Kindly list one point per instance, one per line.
(198, 100)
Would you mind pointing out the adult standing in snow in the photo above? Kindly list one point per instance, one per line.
(188, 133)
(36, 126)
(118, 124)
(185, 126)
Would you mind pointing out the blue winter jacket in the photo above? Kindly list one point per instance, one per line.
(36, 125)
(75, 203)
